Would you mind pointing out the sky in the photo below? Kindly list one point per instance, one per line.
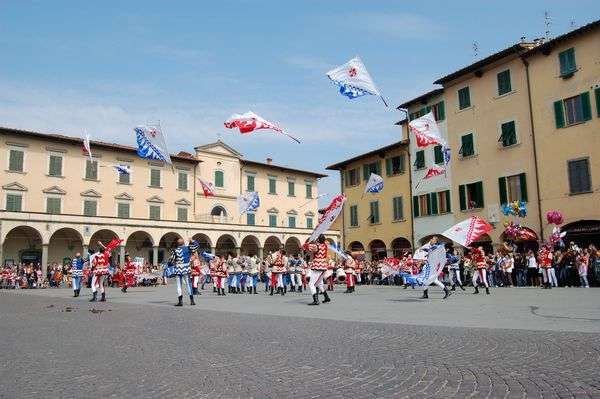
(108, 66)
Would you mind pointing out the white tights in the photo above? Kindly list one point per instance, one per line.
(179, 278)
(100, 281)
(316, 281)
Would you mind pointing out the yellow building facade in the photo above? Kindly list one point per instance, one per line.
(380, 224)
(55, 201)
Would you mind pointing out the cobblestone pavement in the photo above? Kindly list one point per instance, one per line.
(54, 346)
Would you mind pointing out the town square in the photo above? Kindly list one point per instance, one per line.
(318, 200)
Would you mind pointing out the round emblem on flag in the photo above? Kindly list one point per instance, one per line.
(352, 72)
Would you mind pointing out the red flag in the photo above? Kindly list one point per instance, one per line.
(468, 230)
(250, 122)
(433, 172)
(208, 188)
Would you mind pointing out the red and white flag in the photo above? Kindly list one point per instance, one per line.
(432, 172)
(207, 188)
(426, 131)
(87, 150)
(249, 122)
(468, 230)
(328, 216)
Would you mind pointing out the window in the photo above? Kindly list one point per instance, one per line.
(512, 188)
(182, 181)
(508, 135)
(154, 177)
(464, 98)
(419, 159)
(14, 202)
(55, 165)
(471, 196)
(504, 85)
(250, 183)
(579, 176)
(438, 110)
(291, 189)
(352, 177)
(443, 201)
(90, 208)
(219, 178)
(438, 155)
(292, 221)
(421, 205)
(272, 220)
(398, 211)
(272, 185)
(431, 204)
(373, 167)
(309, 190)
(53, 205)
(125, 178)
(573, 110)
(597, 93)
(250, 219)
(123, 210)
(374, 216)
(394, 165)
(15, 160)
(567, 63)
(91, 170)
(182, 214)
(154, 212)
(309, 223)
(354, 216)
(467, 148)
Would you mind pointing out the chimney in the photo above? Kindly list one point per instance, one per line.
(269, 161)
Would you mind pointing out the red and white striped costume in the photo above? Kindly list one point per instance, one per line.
(196, 271)
(350, 270)
(318, 267)
(102, 260)
(478, 257)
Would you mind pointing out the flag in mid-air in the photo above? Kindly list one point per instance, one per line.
(123, 169)
(432, 172)
(207, 256)
(151, 144)
(249, 122)
(468, 230)
(248, 202)
(338, 251)
(374, 184)
(328, 216)
(426, 130)
(87, 149)
(353, 79)
(208, 188)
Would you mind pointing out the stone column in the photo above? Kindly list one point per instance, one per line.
(260, 252)
(213, 250)
(389, 253)
(44, 260)
(155, 255)
(122, 254)
(368, 255)
(238, 251)
(84, 254)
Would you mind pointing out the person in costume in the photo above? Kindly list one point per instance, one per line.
(548, 274)
(196, 272)
(295, 271)
(128, 273)
(318, 267)
(180, 260)
(252, 274)
(231, 276)
(278, 262)
(100, 269)
(77, 273)
(220, 270)
(406, 267)
(433, 244)
(479, 260)
(454, 269)
(238, 268)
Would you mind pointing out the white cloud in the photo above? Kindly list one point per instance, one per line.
(397, 25)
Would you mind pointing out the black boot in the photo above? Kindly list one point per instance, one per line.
(239, 290)
(326, 297)
(487, 290)
(78, 291)
(446, 292)
(425, 295)
(215, 289)
(283, 291)
(272, 289)
(179, 301)
(124, 289)
(94, 296)
(255, 290)
(74, 293)
(315, 300)
(405, 286)
(476, 290)
(103, 297)
(223, 291)
(192, 300)
(453, 287)
(462, 287)
(300, 289)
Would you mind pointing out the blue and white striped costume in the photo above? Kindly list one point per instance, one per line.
(77, 272)
(180, 258)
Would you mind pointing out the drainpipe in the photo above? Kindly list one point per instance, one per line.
(535, 160)
(344, 213)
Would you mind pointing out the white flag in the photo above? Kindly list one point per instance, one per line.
(353, 79)
(426, 131)
(374, 184)
(151, 143)
(468, 230)
(328, 217)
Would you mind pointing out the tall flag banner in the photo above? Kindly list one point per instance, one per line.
(338, 251)
(426, 131)
(123, 169)
(435, 262)
(248, 202)
(207, 256)
(87, 149)
(374, 184)
(432, 172)
(151, 144)
(328, 216)
(249, 122)
(389, 267)
(207, 187)
(354, 80)
(468, 230)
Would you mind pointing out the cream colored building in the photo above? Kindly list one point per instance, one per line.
(56, 202)
(378, 224)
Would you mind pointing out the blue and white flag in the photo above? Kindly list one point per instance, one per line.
(447, 156)
(338, 251)
(375, 184)
(207, 256)
(248, 202)
(353, 79)
(123, 169)
(151, 143)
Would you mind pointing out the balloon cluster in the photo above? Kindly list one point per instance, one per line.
(556, 237)
(554, 217)
(515, 231)
(515, 208)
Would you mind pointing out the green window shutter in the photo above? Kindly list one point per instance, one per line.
(376, 212)
(53, 205)
(416, 206)
(559, 114)
(182, 214)
(15, 163)
(388, 166)
(441, 108)
(479, 196)
(154, 212)
(394, 209)
(14, 203)
(182, 181)
(123, 211)
(597, 94)
(462, 197)
(366, 172)
(124, 178)
(434, 203)
(400, 209)
(438, 154)
(448, 204)
(55, 168)
(402, 162)
(586, 106)
(523, 183)
(250, 219)
(219, 178)
(292, 221)
(90, 208)
(309, 191)
(504, 85)
(91, 170)
(309, 223)
(291, 189)
(562, 60)
(249, 183)
(378, 168)
(273, 186)
(502, 190)
(567, 62)
(420, 159)
(272, 220)
(154, 177)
